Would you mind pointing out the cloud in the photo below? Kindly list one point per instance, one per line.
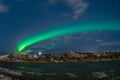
(99, 40)
(81, 36)
(66, 38)
(3, 7)
(78, 7)
(110, 43)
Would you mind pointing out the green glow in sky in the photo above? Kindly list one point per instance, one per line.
(88, 26)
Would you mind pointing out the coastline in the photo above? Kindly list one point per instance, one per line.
(63, 62)
(72, 57)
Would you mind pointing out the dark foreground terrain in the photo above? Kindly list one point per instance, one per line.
(66, 76)
(103, 70)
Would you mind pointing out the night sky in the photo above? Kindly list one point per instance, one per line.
(22, 21)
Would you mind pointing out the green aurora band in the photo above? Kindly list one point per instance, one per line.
(89, 26)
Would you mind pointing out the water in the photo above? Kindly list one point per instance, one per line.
(81, 67)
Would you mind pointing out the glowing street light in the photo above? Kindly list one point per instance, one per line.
(40, 53)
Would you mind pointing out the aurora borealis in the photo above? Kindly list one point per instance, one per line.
(105, 25)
